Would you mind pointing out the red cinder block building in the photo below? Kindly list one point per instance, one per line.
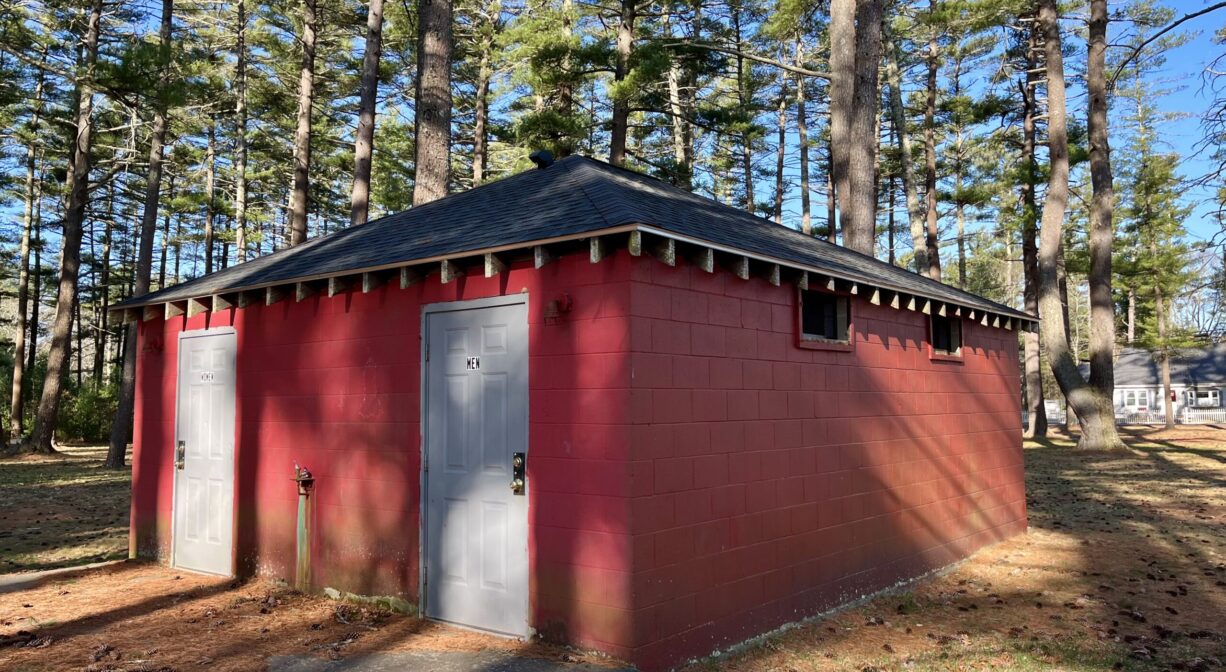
(580, 404)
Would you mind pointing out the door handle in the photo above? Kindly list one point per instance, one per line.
(180, 455)
(517, 473)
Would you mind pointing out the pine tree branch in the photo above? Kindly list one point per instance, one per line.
(751, 56)
(1136, 51)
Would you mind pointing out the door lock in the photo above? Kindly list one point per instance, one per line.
(180, 455)
(517, 473)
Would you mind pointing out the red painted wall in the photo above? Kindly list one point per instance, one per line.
(695, 477)
(334, 384)
(773, 482)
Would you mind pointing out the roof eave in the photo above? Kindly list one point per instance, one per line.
(876, 291)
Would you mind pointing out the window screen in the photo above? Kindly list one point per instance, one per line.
(946, 335)
(823, 316)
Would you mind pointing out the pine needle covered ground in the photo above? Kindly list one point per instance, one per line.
(62, 510)
(1124, 568)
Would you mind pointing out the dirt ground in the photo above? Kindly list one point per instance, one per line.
(1124, 568)
(62, 510)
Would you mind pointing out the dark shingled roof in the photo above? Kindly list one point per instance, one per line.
(1198, 366)
(572, 197)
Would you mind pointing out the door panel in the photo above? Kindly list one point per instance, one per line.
(476, 550)
(204, 481)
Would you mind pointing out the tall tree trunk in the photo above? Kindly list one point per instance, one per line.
(931, 240)
(104, 291)
(36, 295)
(1062, 283)
(1037, 409)
(959, 177)
(480, 134)
(781, 119)
(566, 87)
(679, 112)
(890, 258)
(17, 398)
(832, 200)
(960, 221)
(121, 429)
(621, 103)
(302, 135)
(433, 118)
(1102, 229)
(681, 152)
(1132, 316)
(802, 133)
(481, 110)
(1164, 354)
(240, 132)
(1094, 411)
(77, 186)
(79, 332)
(859, 204)
(744, 104)
(210, 194)
(898, 113)
(165, 237)
(359, 207)
(842, 31)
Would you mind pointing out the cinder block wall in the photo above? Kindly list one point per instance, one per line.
(773, 482)
(334, 384)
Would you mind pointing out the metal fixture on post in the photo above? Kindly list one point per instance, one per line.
(302, 570)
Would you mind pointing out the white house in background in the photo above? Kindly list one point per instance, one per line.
(1198, 380)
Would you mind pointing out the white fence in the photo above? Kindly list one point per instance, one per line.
(1052, 418)
(1140, 417)
(1193, 416)
(1188, 416)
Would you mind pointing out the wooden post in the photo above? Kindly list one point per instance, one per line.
(665, 251)
(302, 291)
(195, 307)
(540, 256)
(448, 271)
(273, 295)
(337, 285)
(371, 282)
(494, 265)
(409, 277)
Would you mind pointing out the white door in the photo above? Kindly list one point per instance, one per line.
(476, 550)
(204, 453)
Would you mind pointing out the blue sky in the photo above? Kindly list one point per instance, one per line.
(1184, 68)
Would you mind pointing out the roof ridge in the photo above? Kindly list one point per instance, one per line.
(579, 185)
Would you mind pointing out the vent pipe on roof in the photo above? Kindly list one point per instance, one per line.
(543, 158)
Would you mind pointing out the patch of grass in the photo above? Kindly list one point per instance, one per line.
(62, 510)
(907, 604)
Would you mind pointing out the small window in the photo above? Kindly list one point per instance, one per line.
(1204, 398)
(1136, 400)
(946, 335)
(823, 316)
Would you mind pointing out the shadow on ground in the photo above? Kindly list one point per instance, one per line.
(1124, 568)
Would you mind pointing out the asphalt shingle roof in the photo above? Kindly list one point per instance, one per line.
(572, 197)
(1197, 366)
